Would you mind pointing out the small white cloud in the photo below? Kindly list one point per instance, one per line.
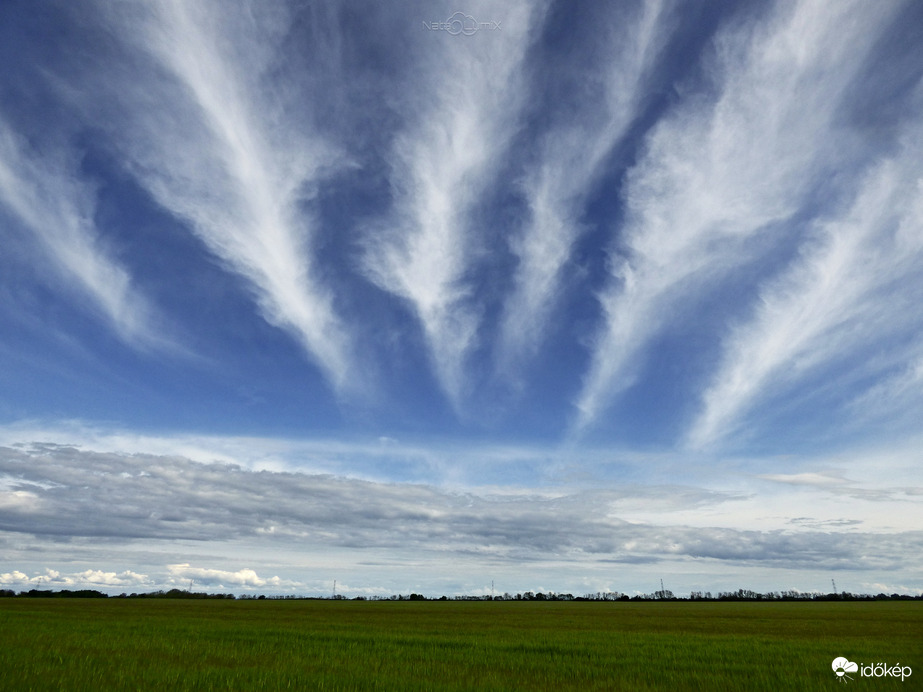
(242, 577)
(807, 478)
(101, 578)
(19, 500)
(890, 588)
(87, 579)
(14, 577)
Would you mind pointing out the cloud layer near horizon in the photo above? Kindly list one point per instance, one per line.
(143, 500)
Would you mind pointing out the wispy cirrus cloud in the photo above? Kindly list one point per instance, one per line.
(216, 136)
(443, 163)
(47, 194)
(856, 286)
(718, 172)
(570, 159)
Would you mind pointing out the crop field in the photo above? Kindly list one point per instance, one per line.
(126, 644)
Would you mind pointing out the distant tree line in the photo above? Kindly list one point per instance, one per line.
(661, 595)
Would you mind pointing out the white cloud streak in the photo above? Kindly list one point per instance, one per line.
(570, 160)
(443, 163)
(856, 285)
(44, 192)
(215, 144)
(716, 174)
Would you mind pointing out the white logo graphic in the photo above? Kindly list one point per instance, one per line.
(841, 666)
(461, 24)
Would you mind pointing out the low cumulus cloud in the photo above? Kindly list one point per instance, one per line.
(218, 577)
(88, 578)
(890, 588)
(177, 575)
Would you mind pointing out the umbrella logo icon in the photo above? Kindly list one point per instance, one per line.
(842, 666)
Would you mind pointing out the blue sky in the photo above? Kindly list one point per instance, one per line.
(571, 296)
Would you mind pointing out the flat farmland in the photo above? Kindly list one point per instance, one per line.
(148, 644)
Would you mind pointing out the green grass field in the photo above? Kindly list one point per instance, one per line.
(124, 644)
